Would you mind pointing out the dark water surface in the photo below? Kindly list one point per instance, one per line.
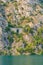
(21, 60)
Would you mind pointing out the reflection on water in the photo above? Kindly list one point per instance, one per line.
(21, 60)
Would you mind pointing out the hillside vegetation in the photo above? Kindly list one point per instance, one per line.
(21, 27)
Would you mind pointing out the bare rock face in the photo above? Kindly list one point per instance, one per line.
(29, 1)
(3, 24)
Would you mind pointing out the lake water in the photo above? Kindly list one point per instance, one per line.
(21, 60)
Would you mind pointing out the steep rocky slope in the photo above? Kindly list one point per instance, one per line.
(21, 24)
